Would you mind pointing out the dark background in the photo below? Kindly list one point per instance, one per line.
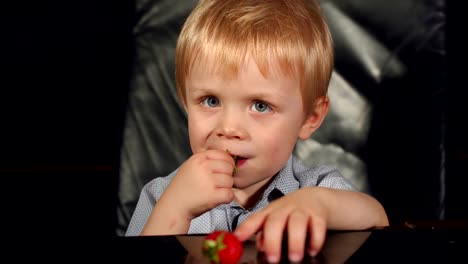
(457, 125)
(65, 69)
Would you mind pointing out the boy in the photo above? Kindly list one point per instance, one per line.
(253, 77)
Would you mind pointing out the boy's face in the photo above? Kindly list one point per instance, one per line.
(255, 118)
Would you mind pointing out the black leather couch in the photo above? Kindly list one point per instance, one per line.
(386, 127)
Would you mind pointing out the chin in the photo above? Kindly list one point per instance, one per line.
(239, 184)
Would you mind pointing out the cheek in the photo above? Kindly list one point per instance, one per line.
(196, 133)
(278, 143)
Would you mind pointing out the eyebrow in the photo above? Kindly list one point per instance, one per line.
(199, 89)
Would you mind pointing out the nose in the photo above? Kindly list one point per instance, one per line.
(231, 126)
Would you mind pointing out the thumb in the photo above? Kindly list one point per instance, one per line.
(250, 226)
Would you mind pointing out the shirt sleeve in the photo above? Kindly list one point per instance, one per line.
(149, 195)
(323, 176)
(332, 178)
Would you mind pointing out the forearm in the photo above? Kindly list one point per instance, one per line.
(165, 220)
(349, 209)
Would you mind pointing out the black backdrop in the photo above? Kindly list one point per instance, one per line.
(457, 125)
(65, 72)
(65, 69)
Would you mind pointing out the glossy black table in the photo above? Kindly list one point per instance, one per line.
(421, 243)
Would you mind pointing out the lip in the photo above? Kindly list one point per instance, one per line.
(241, 162)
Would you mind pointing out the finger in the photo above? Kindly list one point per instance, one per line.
(250, 226)
(217, 197)
(222, 196)
(222, 180)
(317, 229)
(221, 166)
(215, 154)
(273, 230)
(297, 232)
(259, 242)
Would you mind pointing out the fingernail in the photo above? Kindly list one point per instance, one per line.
(312, 253)
(294, 257)
(273, 259)
(260, 248)
(235, 233)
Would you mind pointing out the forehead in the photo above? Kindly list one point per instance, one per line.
(248, 79)
(244, 66)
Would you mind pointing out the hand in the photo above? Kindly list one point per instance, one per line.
(203, 182)
(297, 213)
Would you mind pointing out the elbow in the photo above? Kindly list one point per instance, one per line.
(382, 218)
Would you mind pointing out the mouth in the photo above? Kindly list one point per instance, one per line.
(238, 161)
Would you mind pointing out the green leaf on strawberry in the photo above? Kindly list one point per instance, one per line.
(222, 247)
(235, 157)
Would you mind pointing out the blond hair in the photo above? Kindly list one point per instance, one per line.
(291, 34)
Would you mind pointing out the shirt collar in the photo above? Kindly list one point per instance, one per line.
(283, 183)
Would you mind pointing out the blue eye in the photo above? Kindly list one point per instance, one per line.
(210, 101)
(261, 107)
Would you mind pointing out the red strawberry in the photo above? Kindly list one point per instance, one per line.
(222, 247)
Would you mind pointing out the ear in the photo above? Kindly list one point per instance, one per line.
(315, 118)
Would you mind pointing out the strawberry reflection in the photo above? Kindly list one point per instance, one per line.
(338, 247)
